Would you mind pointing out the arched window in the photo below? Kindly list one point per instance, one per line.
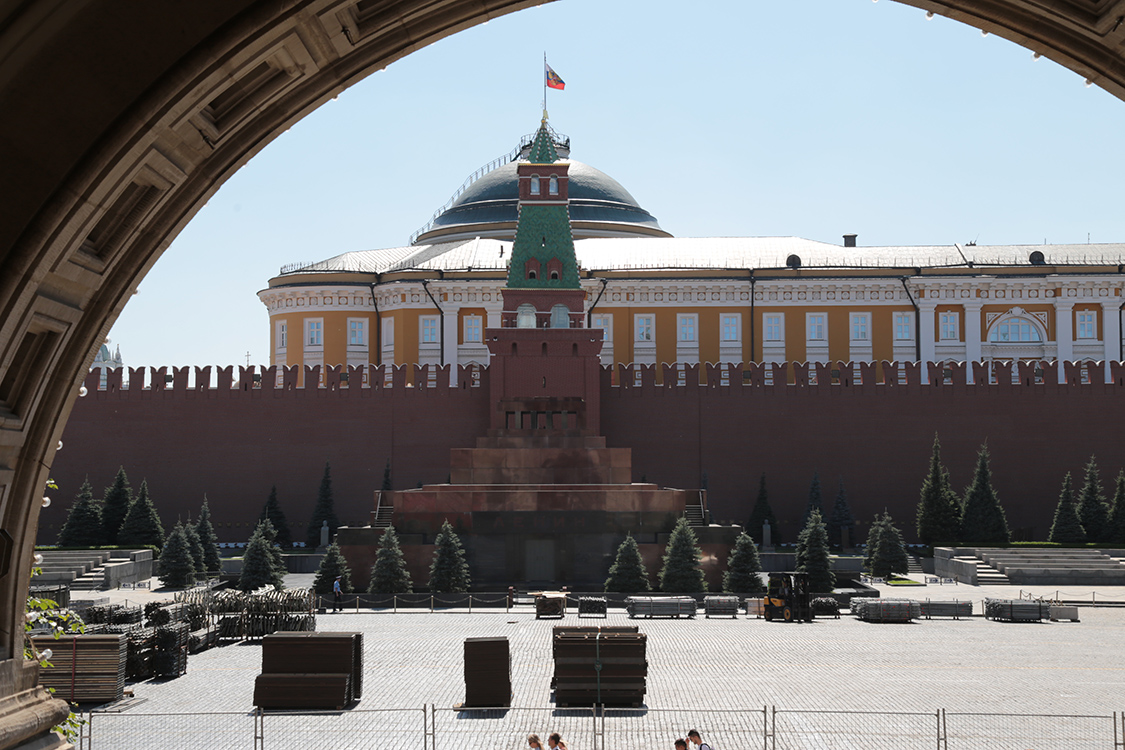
(553, 185)
(560, 316)
(525, 316)
(1015, 329)
(535, 184)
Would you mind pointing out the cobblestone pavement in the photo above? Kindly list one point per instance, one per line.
(714, 673)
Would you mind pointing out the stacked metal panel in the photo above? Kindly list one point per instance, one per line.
(592, 606)
(720, 606)
(956, 610)
(488, 672)
(599, 666)
(310, 670)
(886, 610)
(85, 667)
(660, 606)
(170, 649)
(1016, 610)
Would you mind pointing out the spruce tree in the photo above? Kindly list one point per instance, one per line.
(324, 511)
(272, 510)
(886, 552)
(681, 572)
(258, 566)
(141, 525)
(841, 519)
(389, 574)
(83, 527)
(1066, 528)
(198, 557)
(1091, 505)
(1115, 527)
(333, 564)
(449, 573)
(628, 575)
(276, 558)
(813, 556)
(743, 568)
(815, 502)
(176, 567)
(207, 539)
(982, 518)
(939, 511)
(115, 505)
(763, 512)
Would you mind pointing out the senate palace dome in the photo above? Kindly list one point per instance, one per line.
(486, 205)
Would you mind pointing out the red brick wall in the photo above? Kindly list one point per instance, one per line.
(233, 444)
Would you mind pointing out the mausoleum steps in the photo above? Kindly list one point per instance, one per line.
(1050, 565)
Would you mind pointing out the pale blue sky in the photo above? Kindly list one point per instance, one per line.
(809, 119)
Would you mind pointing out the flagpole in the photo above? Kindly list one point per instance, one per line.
(544, 85)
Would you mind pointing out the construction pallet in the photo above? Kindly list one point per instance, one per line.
(85, 668)
(306, 652)
(720, 606)
(303, 691)
(488, 672)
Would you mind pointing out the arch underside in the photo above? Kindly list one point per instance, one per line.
(120, 123)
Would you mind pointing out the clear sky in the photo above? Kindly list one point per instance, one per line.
(808, 119)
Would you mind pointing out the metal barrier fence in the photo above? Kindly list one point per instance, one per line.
(432, 728)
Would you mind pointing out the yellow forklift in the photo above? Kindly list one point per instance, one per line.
(788, 598)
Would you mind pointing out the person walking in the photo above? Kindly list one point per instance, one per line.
(555, 740)
(696, 740)
(337, 595)
(533, 742)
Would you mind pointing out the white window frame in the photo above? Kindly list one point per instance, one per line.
(425, 324)
(314, 333)
(282, 339)
(687, 323)
(1034, 327)
(820, 320)
(553, 185)
(859, 327)
(535, 184)
(473, 329)
(604, 322)
(644, 323)
(949, 326)
(770, 319)
(1086, 328)
(734, 321)
(904, 322)
(357, 326)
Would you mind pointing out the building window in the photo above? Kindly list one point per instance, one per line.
(282, 335)
(605, 322)
(948, 329)
(388, 332)
(315, 333)
(816, 327)
(472, 329)
(644, 328)
(535, 184)
(560, 316)
(730, 328)
(430, 329)
(357, 333)
(861, 327)
(553, 185)
(525, 315)
(1014, 329)
(774, 327)
(1087, 324)
(686, 325)
(904, 326)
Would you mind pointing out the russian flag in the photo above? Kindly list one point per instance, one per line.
(553, 80)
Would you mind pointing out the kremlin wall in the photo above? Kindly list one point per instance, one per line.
(234, 439)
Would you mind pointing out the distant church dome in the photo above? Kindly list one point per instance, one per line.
(599, 207)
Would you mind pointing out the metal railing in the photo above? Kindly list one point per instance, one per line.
(430, 727)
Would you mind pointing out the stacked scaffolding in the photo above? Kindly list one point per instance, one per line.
(599, 666)
(488, 672)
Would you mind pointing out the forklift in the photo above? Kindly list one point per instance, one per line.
(788, 598)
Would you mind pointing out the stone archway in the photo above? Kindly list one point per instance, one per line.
(120, 123)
